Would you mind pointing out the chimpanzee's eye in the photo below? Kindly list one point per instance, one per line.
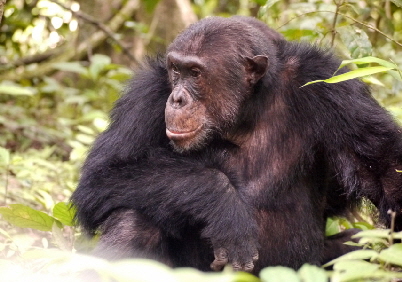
(175, 69)
(194, 72)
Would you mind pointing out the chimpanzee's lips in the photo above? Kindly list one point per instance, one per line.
(176, 135)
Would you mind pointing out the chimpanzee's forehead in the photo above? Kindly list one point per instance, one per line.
(210, 36)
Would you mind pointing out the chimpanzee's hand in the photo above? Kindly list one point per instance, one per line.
(241, 256)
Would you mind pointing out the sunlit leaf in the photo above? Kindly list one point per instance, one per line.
(356, 73)
(312, 273)
(101, 124)
(16, 90)
(85, 139)
(194, 275)
(392, 255)
(363, 225)
(356, 40)
(140, 270)
(373, 80)
(396, 74)
(379, 233)
(23, 216)
(85, 129)
(245, 277)
(279, 274)
(270, 3)
(70, 66)
(332, 227)
(397, 3)
(355, 255)
(368, 60)
(4, 156)
(64, 213)
(98, 63)
(351, 75)
(353, 270)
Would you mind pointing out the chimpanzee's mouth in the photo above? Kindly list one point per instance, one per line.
(176, 135)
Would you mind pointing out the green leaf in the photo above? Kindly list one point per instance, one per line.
(353, 270)
(363, 225)
(379, 233)
(359, 254)
(71, 66)
(86, 130)
(4, 156)
(98, 63)
(85, 139)
(352, 74)
(194, 275)
(373, 80)
(356, 40)
(150, 5)
(355, 255)
(279, 274)
(26, 217)
(397, 235)
(345, 223)
(392, 255)
(368, 60)
(16, 90)
(312, 273)
(270, 3)
(396, 74)
(332, 227)
(397, 3)
(356, 73)
(260, 2)
(140, 270)
(245, 277)
(64, 213)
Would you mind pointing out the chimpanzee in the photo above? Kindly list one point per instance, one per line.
(217, 155)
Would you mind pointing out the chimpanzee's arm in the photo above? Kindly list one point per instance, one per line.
(170, 190)
(364, 147)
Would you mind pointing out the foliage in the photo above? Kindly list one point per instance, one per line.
(362, 72)
(378, 259)
(47, 123)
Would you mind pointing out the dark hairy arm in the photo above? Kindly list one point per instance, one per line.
(171, 191)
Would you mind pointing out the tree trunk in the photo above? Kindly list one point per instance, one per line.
(167, 20)
(2, 4)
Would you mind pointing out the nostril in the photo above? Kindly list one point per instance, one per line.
(177, 100)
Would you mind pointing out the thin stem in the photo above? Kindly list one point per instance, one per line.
(338, 5)
(99, 25)
(348, 17)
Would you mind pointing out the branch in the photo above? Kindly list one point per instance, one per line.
(349, 17)
(2, 4)
(69, 51)
(338, 5)
(99, 25)
(37, 58)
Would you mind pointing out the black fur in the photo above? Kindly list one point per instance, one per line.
(306, 153)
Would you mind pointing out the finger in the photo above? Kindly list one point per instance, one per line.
(221, 259)
(248, 266)
(237, 266)
(255, 256)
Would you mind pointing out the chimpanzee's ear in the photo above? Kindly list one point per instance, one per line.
(256, 68)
